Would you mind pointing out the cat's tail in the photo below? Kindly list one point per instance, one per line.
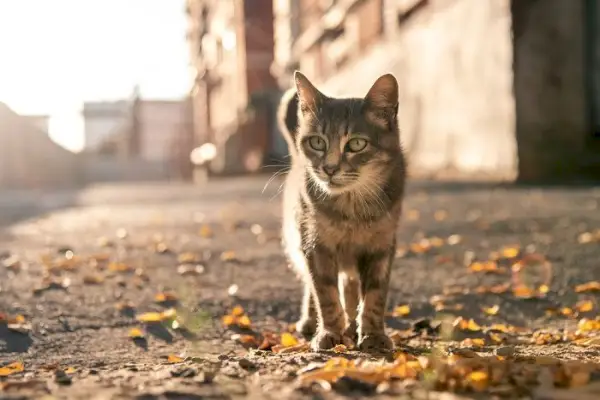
(287, 117)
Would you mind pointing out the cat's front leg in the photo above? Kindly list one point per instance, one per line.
(330, 314)
(374, 270)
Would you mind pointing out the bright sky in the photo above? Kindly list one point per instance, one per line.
(55, 54)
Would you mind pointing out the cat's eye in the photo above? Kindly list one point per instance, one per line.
(355, 145)
(317, 143)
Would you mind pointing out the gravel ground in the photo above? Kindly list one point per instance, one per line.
(231, 227)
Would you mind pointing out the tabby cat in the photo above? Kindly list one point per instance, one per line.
(342, 201)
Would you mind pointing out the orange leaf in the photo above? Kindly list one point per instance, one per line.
(12, 368)
(585, 306)
(237, 311)
(592, 286)
(173, 359)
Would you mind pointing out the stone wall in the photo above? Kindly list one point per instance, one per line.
(29, 159)
(453, 61)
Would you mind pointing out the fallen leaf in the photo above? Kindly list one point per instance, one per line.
(340, 348)
(510, 251)
(136, 333)
(584, 306)
(228, 256)
(592, 286)
(164, 297)
(237, 311)
(478, 380)
(288, 340)
(491, 310)
(205, 232)
(93, 279)
(119, 267)
(150, 317)
(187, 258)
(12, 368)
(173, 359)
(401, 311)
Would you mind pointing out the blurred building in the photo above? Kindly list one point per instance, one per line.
(29, 159)
(493, 88)
(132, 139)
(39, 121)
(234, 96)
(103, 119)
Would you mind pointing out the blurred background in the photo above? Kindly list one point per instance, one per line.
(124, 91)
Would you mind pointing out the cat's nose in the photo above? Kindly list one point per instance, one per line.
(330, 170)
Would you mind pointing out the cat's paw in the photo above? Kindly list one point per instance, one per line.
(375, 342)
(306, 327)
(351, 332)
(325, 340)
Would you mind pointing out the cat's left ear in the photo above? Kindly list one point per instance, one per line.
(381, 102)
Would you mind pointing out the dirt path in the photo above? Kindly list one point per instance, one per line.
(122, 246)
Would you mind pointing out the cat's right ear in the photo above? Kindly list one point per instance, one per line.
(308, 95)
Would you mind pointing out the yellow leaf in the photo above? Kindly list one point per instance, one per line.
(244, 322)
(491, 310)
(228, 320)
(543, 289)
(228, 256)
(588, 325)
(150, 317)
(70, 370)
(510, 251)
(478, 380)
(473, 326)
(119, 267)
(237, 311)
(401, 311)
(136, 333)
(288, 340)
(173, 359)
(12, 368)
(592, 286)
(475, 342)
(187, 258)
(585, 306)
(566, 311)
(164, 297)
(205, 231)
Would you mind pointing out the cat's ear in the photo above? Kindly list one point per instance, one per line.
(308, 95)
(381, 102)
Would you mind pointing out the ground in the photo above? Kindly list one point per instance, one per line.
(81, 268)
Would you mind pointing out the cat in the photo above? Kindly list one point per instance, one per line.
(341, 205)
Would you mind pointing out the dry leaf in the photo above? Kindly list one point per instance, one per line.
(340, 348)
(150, 317)
(136, 333)
(187, 258)
(205, 231)
(288, 340)
(228, 256)
(401, 311)
(12, 368)
(491, 310)
(93, 279)
(478, 380)
(584, 306)
(119, 267)
(510, 251)
(165, 297)
(173, 359)
(592, 286)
